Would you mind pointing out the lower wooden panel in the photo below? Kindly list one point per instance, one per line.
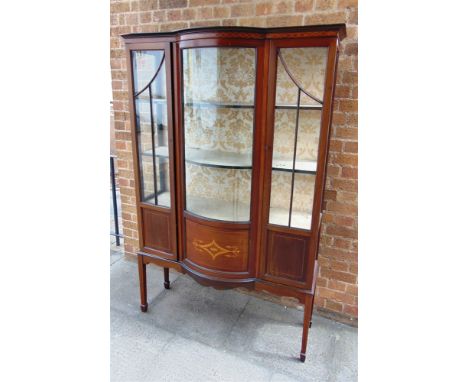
(287, 258)
(215, 248)
(157, 231)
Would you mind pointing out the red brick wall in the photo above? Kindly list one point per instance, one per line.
(337, 284)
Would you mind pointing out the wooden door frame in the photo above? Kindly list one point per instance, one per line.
(320, 177)
(258, 140)
(154, 44)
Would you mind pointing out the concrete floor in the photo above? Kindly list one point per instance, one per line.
(195, 333)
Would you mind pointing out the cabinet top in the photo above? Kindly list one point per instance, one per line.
(329, 30)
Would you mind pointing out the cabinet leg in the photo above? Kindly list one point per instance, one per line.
(167, 283)
(309, 303)
(142, 274)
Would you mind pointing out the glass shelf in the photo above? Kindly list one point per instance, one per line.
(302, 166)
(210, 158)
(299, 219)
(302, 107)
(220, 210)
(218, 105)
(223, 159)
(145, 97)
(215, 158)
(164, 198)
(225, 105)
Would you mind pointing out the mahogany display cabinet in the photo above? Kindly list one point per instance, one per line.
(230, 130)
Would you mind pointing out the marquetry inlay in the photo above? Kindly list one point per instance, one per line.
(214, 249)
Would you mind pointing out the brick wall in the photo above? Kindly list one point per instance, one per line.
(337, 283)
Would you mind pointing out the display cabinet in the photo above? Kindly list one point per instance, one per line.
(230, 134)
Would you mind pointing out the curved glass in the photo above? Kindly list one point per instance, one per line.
(218, 110)
(300, 82)
(149, 82)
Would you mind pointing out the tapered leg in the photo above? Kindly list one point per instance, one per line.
(167, 283)
(309, 303)
(142, 274)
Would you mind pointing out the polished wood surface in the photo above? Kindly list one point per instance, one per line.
(226, 254)
(167, 282)
(217, 249)
(143, 286)
(157, 232)
(291, 269)
(330, 30)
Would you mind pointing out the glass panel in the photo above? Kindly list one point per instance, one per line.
(149, 77)
(298, 109)
(280, 197)
(145, 64)
(219, 93)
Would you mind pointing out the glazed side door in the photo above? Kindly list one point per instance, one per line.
(151, 110)
(300, 92)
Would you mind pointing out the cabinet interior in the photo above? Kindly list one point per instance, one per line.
(218, 119)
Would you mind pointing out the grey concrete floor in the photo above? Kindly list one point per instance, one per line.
(196, 333)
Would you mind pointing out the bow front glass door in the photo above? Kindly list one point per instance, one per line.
(218, 116)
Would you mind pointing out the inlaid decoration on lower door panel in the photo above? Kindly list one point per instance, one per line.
(157, 230)
(214, 249)
(286, 256)
(217, 248)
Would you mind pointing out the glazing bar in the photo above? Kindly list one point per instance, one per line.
(153, 151)
(294, 157)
